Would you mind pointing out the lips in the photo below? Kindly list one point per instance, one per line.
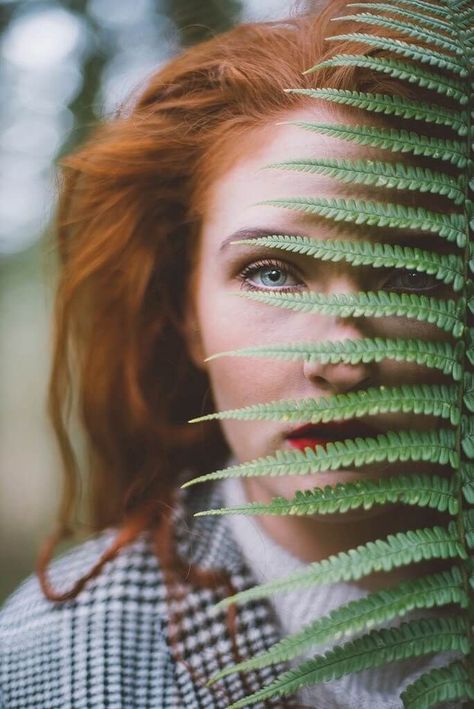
(312, 435)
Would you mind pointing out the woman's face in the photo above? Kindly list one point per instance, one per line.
(226, 321)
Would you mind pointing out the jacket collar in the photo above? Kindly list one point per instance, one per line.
(201, 637)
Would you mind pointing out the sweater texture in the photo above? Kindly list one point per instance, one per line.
(378, 688)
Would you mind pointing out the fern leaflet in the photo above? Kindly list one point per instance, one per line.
(433, 400)
(382, 606)
(392, 106)
(371, 650)
(452, 227)
(447, 268)
(423, 490)
(439, 355)
(412, 30)
(381, 174)
(443, 684)
(430, 446)
(408, 50)
(395, 140)
(445, 314)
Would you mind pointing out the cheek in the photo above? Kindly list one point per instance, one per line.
(244, 381)
(237, 382)
(397, 372)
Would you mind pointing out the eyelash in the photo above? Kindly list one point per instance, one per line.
(256, 266)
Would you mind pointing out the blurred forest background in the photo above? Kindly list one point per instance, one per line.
(65, 64)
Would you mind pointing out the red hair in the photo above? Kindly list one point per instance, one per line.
(127, 228)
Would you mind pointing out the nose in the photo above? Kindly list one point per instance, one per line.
(340, 377)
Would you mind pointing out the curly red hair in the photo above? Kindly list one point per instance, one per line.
(128, 223)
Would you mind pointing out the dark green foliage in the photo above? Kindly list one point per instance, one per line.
(372, 650)
(437, 355)
(430, 446)
(395, 140)
(435, 60)
(422, 490)
(445, 314)
(451, 227)
(437, 400)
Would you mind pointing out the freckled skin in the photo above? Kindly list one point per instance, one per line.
(226, 322)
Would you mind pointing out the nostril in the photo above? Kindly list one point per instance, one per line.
(338, 378)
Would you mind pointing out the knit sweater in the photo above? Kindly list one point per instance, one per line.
(379, 688)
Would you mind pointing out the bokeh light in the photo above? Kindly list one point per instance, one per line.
(41, 50)
(64, 65)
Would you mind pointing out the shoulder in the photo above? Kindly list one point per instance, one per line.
(124, 578)
(49, 651)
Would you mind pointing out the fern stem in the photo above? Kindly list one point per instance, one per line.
(423, 490)
(466, 54)
(438, 355)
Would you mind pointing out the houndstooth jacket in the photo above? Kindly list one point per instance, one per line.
(109, 648)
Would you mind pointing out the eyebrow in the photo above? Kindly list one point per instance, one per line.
(420, 239)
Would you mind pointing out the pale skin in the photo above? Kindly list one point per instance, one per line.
(219, 321)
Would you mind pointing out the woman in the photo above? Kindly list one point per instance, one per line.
(150, 212)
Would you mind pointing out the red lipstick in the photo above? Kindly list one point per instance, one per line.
(313, 435)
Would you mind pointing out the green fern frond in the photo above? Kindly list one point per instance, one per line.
(451, 227)
(467, 436)
(443, 684)
(468, 395)
(414, 31)
(466, 20)
(401, 70)
(395, 551)
(395, 140)
(439, 60)
(467, 478)
(437, 355)
(437, 10)
(462, 6)
(379, 647)
(419, 17)
(448, 268)
(430, 446)
(436, 400)
(433, 491)
(408, 50)
(389, 105)
(379, 607)
(445, 314)
(381, 174)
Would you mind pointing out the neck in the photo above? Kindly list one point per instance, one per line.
(313, 538)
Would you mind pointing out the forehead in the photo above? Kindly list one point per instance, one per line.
(235, 206)
(234, 198)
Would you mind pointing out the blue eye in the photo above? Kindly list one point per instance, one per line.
(268, 274)
(411, 280)
(273, 277)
